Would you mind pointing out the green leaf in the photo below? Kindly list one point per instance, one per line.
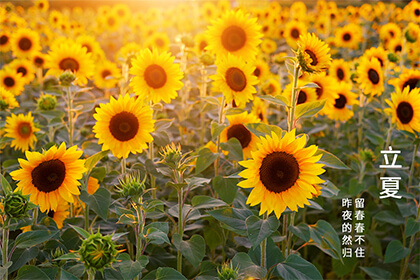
(302, 231)
(130, 269)
(247, 267)
(164, 273)
(69, 256)
(329, 190)
(162, 226)
(233, 219)
(259, 229)
(377, 273)
(31, 272)
(213, 234)
(279, 99)
(202, 201)
(309, 85)
(345, 267)
(226, 188)
(259, 129)
(412, 227)
(297, 268)
(32, 238)
(395, 252)
(205, 159)
(3, 269)
(98, 202)
(193, 249)
(5, 186)
(93, 160)
(233, 146)
(331, 160)
(389, 217)
(156, 236)
(65, 275)
(81, 231)
(127, 219)
(325, 238)
(309, 109)
(21, 256)
(163, 124)
(216, 129)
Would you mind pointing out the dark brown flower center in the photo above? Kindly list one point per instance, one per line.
(105, 73)
(346, 37)
(240, 132)
(155, 76)
(25, 44)
(412, 83)
(203, 44)
(313, 57)
(279, 171)
(233, 38)
(380, 61)
(22, 70)
(261, 116)
(124, 126)
(295, 33)
(39, 61)
(88, 48)
(24, 129)
(257, 72)
(302, 97)
(373, 76)
(392, 33)
(41, 5)
(159, 42)
(265, 29)
(340, 74)
(9, 82)
(398, 48)
(69, 63)
(340, 102)
(319, 91)
(4, 39)
(111, 21)
(405, 112)
(235, 79)
(417, 12)
(48, 175)
(51, 214)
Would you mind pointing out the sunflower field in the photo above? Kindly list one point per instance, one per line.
(209, 140)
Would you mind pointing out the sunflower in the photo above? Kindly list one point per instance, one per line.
(412, 32)
(128, 52)
(4, 41)
(293, 31)
(340, 70)
(234, 33)
(24, 67)
(409, 78)
(313, 54)
(55, 18)
(60, 214)
(237, 129)
(111, 21)
(42, 5)
(268, 46)
(7, 99)
(159, 41)
(92, 46)
(50, 176)
(124, 125)
(370, 76)
(156, 77)
(349, 36)
(405, 109)
(25, 43)
(11, 80)
(304, 95)
(259, 109)
(415, 11)
(282, 173)
(106, 74)
(271, 87)
(72, 57)
(327, 86)
(22, 129)
(394, 45)
(38, 60)
(379, 53)
(235, 79)
(122, 11)
(93, 185)
(389, 31)
(337, 109)
(208, 11)
(201, 42)
(262, 70)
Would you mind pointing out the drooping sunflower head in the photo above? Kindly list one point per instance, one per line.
(234, 33)
(282, 173)
(22, 129)
(50, 176)
(156, 77)
(124, 126)
(405, 109)
(371, 76)
(235, 79)
(25, 43)
(409, 78)
(238, 130)
(389, 31)
(313, 54)
(70, 56)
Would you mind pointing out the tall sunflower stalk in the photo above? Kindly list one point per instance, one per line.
(220, 121)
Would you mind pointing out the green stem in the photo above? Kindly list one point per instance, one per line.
(290, 235)
(263, 248)
(140, 230)
(35, 216)
(70, 115)
(91, 274)
(410, 178)
(123, 166)
(152, 178)
(291, 115)
(86, 217)
(216, 163)
(283, 245)
(180, 229)
(360, 124)
(203, 91)
(5, 245)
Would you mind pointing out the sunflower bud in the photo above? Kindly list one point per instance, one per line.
(207, 59)
(393, 57)
(132, 186)
(16, 205)
(171, 155)
(98, 252)
(67, 78)
(188, 41)
(56, 254)
(367, 155)
(47, 102)
(227, 272)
